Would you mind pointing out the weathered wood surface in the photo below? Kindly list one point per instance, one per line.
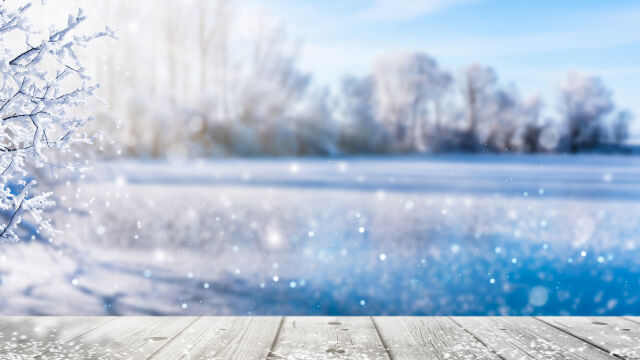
(618, 336)
(429, 338)
(528, 338)
(224, 338)
(327, 338)
(272, 338)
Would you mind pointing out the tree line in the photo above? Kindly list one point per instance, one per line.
(214, 80)
(408, 104)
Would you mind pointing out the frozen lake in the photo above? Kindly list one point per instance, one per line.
(455, 235)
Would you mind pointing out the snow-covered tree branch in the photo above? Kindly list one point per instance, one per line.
(42, 83)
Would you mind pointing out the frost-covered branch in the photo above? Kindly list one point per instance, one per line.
(42, 83)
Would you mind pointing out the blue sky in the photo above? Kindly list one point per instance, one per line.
(529, 43)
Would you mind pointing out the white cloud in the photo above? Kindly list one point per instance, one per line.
(400, 10)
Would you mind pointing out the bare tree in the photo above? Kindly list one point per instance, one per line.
(620, 126)
(477, 86)
(408, 87)
(361, 130)
(584, 104)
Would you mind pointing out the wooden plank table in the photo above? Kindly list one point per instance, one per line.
(208, 338)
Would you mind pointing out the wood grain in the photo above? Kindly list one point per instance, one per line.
(224, 338)
(528, 338)
(9, 321)
(29, 337)
(300, 338)
(328, 338)
(132, 338)
(429, 338)
(616, 335)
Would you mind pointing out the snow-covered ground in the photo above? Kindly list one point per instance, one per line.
(444, 235)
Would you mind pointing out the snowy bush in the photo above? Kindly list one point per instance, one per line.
(43, 84)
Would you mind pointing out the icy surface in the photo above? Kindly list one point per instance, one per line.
(448, 235)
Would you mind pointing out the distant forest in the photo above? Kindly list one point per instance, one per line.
(212, 87)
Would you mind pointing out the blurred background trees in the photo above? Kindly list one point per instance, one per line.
(587, 107)
(203, 78)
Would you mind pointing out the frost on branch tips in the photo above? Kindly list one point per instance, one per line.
(42, 84)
